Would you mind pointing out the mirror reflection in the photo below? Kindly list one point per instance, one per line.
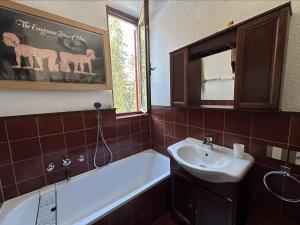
(218, 76)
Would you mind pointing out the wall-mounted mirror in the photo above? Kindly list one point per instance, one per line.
(217, 76)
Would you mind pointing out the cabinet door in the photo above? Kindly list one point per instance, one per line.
(211, 209)
(260, 61)
(183, 198)
(178, 70)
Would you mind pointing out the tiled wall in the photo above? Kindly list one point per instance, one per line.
(29, 143)
(255, 130)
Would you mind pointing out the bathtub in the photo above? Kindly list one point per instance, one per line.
(88, 197)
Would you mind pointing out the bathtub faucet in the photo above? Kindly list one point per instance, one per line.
(66, 163)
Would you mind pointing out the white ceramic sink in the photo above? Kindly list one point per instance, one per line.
(217, 165)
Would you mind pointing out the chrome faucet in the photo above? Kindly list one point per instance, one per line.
(66, 163)
(208, 141)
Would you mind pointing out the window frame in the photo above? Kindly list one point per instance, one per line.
(134, 21)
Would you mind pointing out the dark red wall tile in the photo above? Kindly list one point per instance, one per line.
(158, 113)
(3, 137)
(90, 119)
(73, 121)
(21, 127)
(180, 131)
(108, 117)
(78, 168)
(230, 139)
(238, 123)
(160, 199)
(145, 125)
(216, 135)
(271, 126)
(124, 153)
(27, 169)
(75, 139)
(146, 137)
(4, 153)
(91, 149)
(110, 132)
(113, 146)
(214, 120)
(169, 129)
(146, 146)
(159, 126)
(91, 136)
(195, 132)
(123, 129)
(169, 114)
(124, 142)
(135, 126)
(31, 185)
(7, 175)
(10, 192)
(195, 118)
(25, 149)
(145, 219)
(259, 149)
(159, 139)
(55, 176)
(295, 130)
(136, 139)
(140, 205)
(169, 141)
(50, 124)
(136, 149)
(121, 216)
(52, 143)
(181, 116)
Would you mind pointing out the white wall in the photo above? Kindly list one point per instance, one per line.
(20, 102)
(178, 23)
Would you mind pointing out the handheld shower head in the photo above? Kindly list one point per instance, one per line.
(97, 105)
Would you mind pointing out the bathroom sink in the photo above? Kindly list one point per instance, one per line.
(216, 165)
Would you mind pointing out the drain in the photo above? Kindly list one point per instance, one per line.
(201, 165)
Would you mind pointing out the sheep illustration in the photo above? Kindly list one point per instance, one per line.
(78, 60)
(30, 52)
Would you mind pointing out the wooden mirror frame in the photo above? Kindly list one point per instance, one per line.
(5, 84)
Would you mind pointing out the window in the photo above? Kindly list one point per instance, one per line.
(128, 62)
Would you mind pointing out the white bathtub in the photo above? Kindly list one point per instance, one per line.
(90, 196)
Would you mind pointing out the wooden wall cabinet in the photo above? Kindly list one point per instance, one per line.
(185, 79)
(260, 44)
(260, 61)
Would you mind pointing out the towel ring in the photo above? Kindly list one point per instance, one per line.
(286, 174)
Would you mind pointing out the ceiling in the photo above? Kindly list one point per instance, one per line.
(132, 7)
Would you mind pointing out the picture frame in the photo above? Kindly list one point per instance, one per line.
(47, 56)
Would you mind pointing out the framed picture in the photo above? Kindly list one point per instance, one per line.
(39, 50)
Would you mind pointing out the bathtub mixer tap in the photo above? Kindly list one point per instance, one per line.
(66, 163)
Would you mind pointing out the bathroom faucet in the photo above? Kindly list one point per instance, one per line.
(66, 163)
(208, 141)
